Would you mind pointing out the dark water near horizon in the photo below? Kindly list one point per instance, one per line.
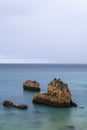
(40, 117)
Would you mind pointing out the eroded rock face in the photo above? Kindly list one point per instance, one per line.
(58, 94)
(10, 104)
(60, 91)
(31, 85)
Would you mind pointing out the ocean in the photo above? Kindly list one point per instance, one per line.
(42, 117)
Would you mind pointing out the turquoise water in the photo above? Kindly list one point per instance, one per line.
(40, 117)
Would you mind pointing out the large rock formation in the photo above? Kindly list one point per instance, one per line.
(58, 94)
(10, 104)
(31, 85)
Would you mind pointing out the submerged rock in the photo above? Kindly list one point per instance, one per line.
(70, 127)
(31, 85)
(58, 94)
(10, 104)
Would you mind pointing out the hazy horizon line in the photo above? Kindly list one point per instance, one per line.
(35, 61)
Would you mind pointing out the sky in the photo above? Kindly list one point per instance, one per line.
(43, 31)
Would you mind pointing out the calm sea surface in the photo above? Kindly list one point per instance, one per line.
(40, 117)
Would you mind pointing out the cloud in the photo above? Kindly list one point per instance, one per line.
(2, 56)
(43, 30)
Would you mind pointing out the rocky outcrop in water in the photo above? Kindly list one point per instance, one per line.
(10, 104)
(58, 94)
(31, 85)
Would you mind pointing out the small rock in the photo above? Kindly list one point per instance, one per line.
(31, 85)
(8, 103)
(71, 127)
(37, 112)
(22, 106)
(82, 107)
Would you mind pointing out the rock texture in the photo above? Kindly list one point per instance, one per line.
(10, 104)
(22, 106)
(7, 103)
(58, 94)
(31, 85)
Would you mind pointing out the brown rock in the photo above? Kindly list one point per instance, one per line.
(31, 85)
(22, 106)
(8, 103)
(58, 95)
